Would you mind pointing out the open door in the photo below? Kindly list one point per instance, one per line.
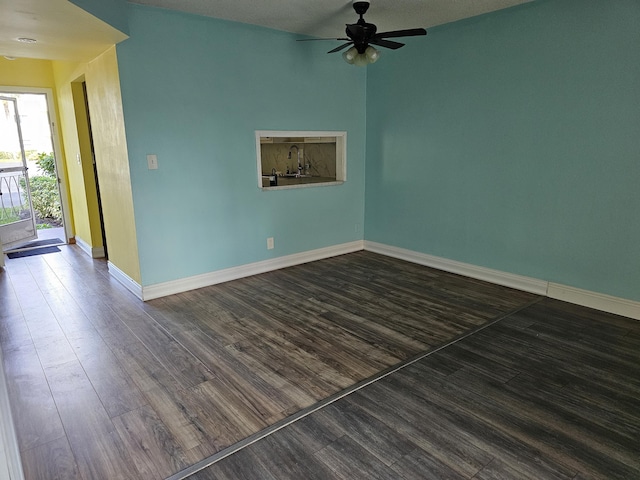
(17, 218)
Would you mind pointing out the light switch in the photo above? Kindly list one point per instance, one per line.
(152, 161)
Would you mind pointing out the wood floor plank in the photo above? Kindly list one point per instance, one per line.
(370, 433)
(497, 470)
(297, 321)
(424, 428)
(419, 465)
(143, 368)
(98, 450)
(290, 320)
(184, 366)
(561, 440)
(333, 375)
(552, 357)
(72, 331)
(562, 425)
(117, 391)
(51, 461)
(10, 306)
(154, 451)
(14, 333)
(349, 460)
(293, 395)
(465, 358)
(34, 412)
(314, 431)
(182, 424)
(235, 374)
(292, 461)
(244, 467)
(225, 414)
(269, 353)
(591, 356)
(602, 417)
(141, 327)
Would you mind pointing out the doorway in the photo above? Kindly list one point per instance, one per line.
(90, 236)
(31, 205)
(95, 167)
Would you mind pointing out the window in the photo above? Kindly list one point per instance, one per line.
(300, 159)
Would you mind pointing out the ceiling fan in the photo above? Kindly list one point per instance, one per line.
(362, 35)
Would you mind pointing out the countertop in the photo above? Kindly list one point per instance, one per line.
(290, 181)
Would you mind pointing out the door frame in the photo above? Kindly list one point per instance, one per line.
(61, 170)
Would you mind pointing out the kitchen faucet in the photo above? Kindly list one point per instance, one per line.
(298, 155)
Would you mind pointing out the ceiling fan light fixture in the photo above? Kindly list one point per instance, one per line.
(361, 60)
(350, 55)
(372, 54)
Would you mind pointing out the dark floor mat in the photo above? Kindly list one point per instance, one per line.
(31, 253)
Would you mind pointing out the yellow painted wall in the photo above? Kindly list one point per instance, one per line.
(110, 145)
(107, 124)
(26, 72)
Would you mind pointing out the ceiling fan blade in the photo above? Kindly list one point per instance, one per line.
(411, 32)
(320, 39)
(341, 47)
(386, 43)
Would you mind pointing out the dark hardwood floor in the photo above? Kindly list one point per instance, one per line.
(104, 386)
(550, 392)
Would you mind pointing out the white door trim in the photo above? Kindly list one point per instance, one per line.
(57, 150)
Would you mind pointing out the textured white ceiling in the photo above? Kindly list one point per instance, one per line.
(327, 18)
(63, 31)
(66, 32)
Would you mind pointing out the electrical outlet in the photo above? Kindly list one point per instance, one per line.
(270, 243)
(357, 227)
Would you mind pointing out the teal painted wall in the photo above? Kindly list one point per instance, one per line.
(113, 12)
(194, 91)
(512, 141)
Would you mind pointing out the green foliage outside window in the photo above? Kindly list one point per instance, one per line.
(46, 201)
(47, 164)
(44, 190)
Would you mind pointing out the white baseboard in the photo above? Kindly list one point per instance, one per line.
(220, 276)
(93, 252)
(586, 298)
(10, 463)
(599, 301)
(527, 284)
(128, 282)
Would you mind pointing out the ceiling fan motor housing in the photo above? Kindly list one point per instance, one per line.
(361, 34)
